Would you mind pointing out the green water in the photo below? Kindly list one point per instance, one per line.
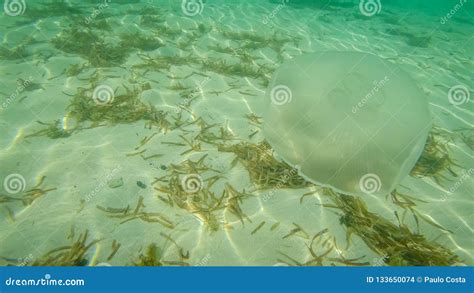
(131, 134)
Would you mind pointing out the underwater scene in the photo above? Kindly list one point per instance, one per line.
(236, 133)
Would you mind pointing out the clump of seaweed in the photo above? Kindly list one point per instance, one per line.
(123, 108)
(153, 257)
(90, 46)
(53, 130)
(254, 119)
(434, 160)
(166, 31)
(223, 49)
(83, 38)
(203, 29)
(14, 53)
(321, 248)
(240, 53)
(234, 199)
(69, 255)
(184, 187)
(115, 247)
(263, 41)
(52, 9)
(265, 171)
(397, 243)
(177, 86)
(149, 10)
(401, 246)
(160, 63)
(139, 41)
(184, 44)
(208, 135)
(29, 196)
(74, 70)
(102, 54)
(408, 204)
(254, 41)
(151, 20)
(238, 69)
(245, 68)
(126, 214)
(100, 24)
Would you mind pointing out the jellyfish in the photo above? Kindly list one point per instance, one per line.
(350, 121)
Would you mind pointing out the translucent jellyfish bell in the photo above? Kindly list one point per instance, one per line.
(350, 121)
